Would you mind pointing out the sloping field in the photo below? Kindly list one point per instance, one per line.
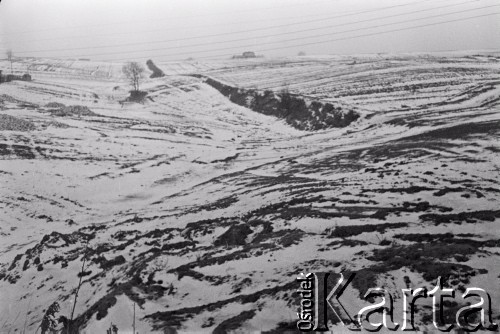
(203, 212)
(381, 83)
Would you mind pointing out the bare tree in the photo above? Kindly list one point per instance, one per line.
(134, 73)
(9, 57)
(80, 283)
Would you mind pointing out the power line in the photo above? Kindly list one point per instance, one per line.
(170, 18)
(367, 35)
(282, 41)
(334, 40)
(247, 31)
(314, 21)
(169, 30)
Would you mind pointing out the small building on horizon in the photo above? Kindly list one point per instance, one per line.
(249, 54)
(246, 54)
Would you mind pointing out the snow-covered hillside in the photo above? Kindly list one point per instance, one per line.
(202, 212)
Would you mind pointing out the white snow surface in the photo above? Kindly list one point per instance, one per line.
(187, 165)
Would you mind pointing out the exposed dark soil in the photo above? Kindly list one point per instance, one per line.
(462, 131)
(462, 217)
(233, 323)
(234, 236)
(174, 318)
(352, 230)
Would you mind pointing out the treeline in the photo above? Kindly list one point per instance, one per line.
(297, 111)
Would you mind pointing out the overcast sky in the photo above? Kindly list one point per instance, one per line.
(179, 29)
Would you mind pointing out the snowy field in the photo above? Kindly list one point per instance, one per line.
(202, 212)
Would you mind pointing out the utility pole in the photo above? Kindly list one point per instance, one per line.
(9, 57)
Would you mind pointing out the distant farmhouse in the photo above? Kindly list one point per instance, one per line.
(12, 77)
(246, 54)
(249, 54)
